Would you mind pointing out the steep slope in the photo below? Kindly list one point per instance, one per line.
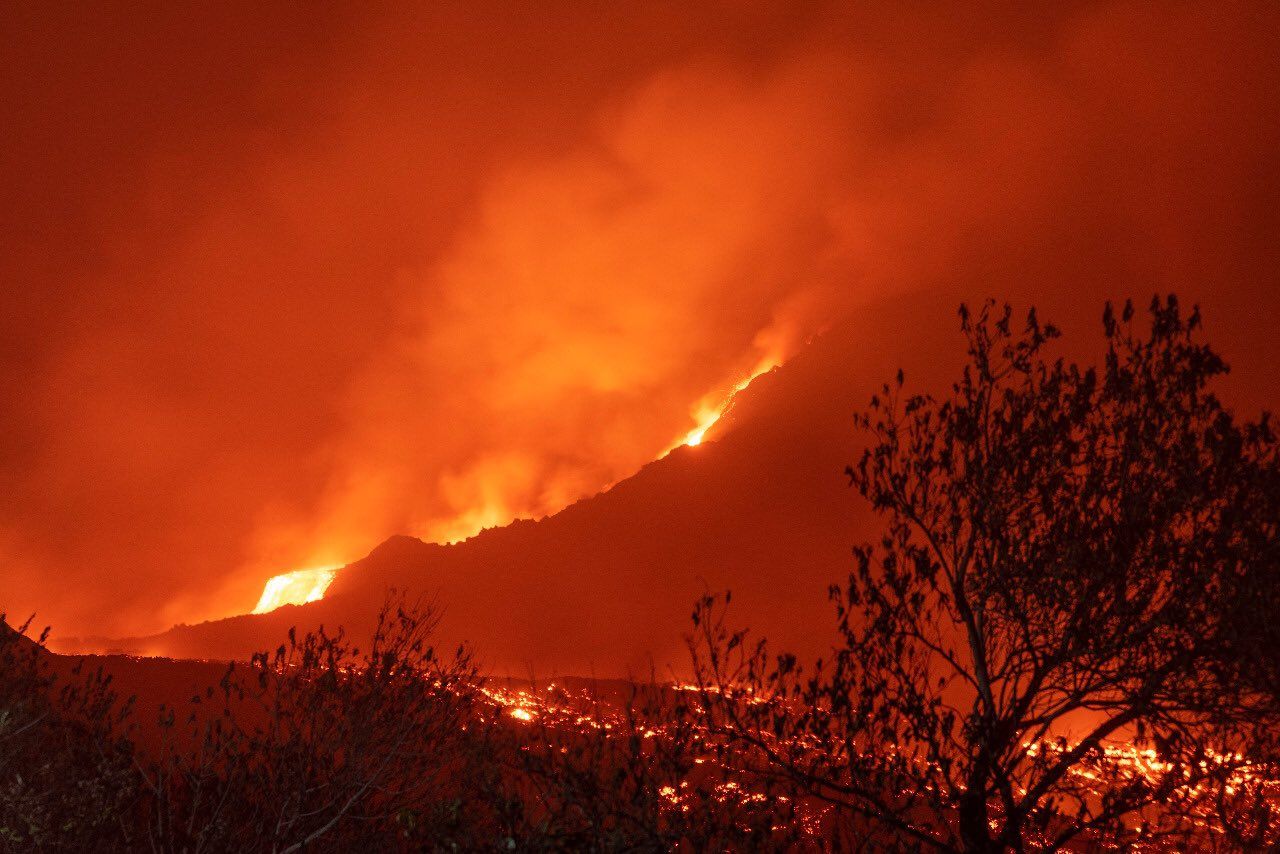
(605, 587)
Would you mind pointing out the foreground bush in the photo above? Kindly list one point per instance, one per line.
(67, 776)
(323, 746)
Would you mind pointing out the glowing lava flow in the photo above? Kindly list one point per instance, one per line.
(296, 588)
(309, 585)
(708, 411)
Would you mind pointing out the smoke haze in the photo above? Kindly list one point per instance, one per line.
(281, 284)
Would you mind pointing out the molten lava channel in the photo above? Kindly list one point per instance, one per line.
(309, 585)
(296, 588)
(713, 406)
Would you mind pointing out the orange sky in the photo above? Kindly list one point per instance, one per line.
(278, 284)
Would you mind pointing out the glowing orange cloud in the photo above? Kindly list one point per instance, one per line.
(380, 295)
(556, 346)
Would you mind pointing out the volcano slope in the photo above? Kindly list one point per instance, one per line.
(605, 587)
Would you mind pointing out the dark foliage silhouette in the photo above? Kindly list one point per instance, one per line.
(1066, 638)
(66, 762)
(1066, 635)
(323, 746)
(318, 745)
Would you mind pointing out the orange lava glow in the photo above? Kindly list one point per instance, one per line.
(712, 407)
(296, 588)
(493, 509)
(386, 295)
(1116, 763)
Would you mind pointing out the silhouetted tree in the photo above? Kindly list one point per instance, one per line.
(1065, 635)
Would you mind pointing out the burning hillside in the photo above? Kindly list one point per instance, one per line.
(304, 586)
(282, 284)
(832, 382)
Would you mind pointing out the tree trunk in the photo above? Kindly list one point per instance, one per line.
(975, 831)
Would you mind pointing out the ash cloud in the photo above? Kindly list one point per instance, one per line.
(283, 288)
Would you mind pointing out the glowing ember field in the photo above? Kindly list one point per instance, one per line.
(555, 712)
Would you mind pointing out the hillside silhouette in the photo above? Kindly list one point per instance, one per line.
(604, 586)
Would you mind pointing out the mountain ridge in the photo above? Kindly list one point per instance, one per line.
(605, 586)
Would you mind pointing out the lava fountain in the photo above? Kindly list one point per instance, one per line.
(296, 588)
